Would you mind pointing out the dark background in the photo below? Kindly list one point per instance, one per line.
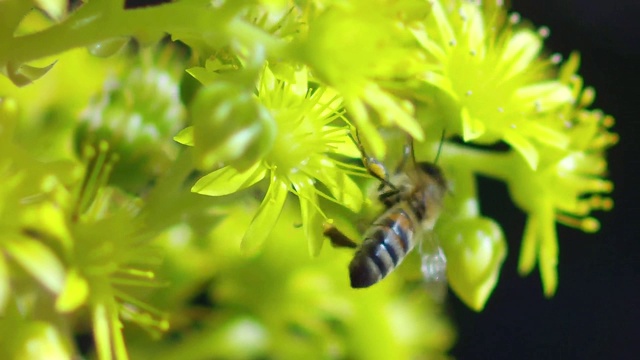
(596, 311)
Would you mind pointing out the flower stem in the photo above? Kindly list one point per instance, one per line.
(95, 22)
(489, 163)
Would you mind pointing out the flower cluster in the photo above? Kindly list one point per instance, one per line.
(174, 162)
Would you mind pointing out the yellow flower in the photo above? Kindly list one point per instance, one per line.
(361, 48)
(309, 132)
(489, 69)
(567, 189)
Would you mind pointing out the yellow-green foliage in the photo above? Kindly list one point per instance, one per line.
(169, 201)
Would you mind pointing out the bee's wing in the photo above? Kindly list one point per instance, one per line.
(433, 264)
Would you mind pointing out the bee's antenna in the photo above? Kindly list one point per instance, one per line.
(413, 152)
(435, 161)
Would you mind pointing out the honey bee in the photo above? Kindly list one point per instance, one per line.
(413, 199)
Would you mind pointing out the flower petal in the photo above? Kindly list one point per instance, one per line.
(74, 294)
(523, 146)
(311, 219)
(367, 132)
(4, 284)
(266, 217)
(546, 135)
(471, 128)
(545, 96)
(529, 247)
(341, 186)
(393, 110)
(39, 261)
(548, 253)
(228, 180)
(519, 52)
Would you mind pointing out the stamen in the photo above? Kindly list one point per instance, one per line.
(587, 97)
(589, 224)
(544, 32)
(608, 121)
(514, 18)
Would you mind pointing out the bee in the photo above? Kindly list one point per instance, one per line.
(413, 198)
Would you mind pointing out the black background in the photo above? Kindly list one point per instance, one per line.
(596, 311)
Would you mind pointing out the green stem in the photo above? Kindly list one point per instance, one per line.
(493, 164)
(93, 23)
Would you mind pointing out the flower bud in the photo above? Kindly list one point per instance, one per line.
(475, 249)
(136, 115)
(229, 124)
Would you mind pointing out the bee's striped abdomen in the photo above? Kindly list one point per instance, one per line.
(385, 245)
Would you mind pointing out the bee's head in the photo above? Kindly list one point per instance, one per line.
(433, 171)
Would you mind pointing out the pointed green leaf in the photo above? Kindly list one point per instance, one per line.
(185, 136)
(228, 180)
(23, 74)
(203, 75)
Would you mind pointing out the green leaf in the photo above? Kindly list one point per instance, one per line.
(228, 180)
(39, 261)
(23, 74)
(108, 47)
(266, 217)
(203, 75)
(185, 136)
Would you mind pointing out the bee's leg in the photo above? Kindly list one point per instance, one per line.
(389, 197)
(373, 166)
(337, 238)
